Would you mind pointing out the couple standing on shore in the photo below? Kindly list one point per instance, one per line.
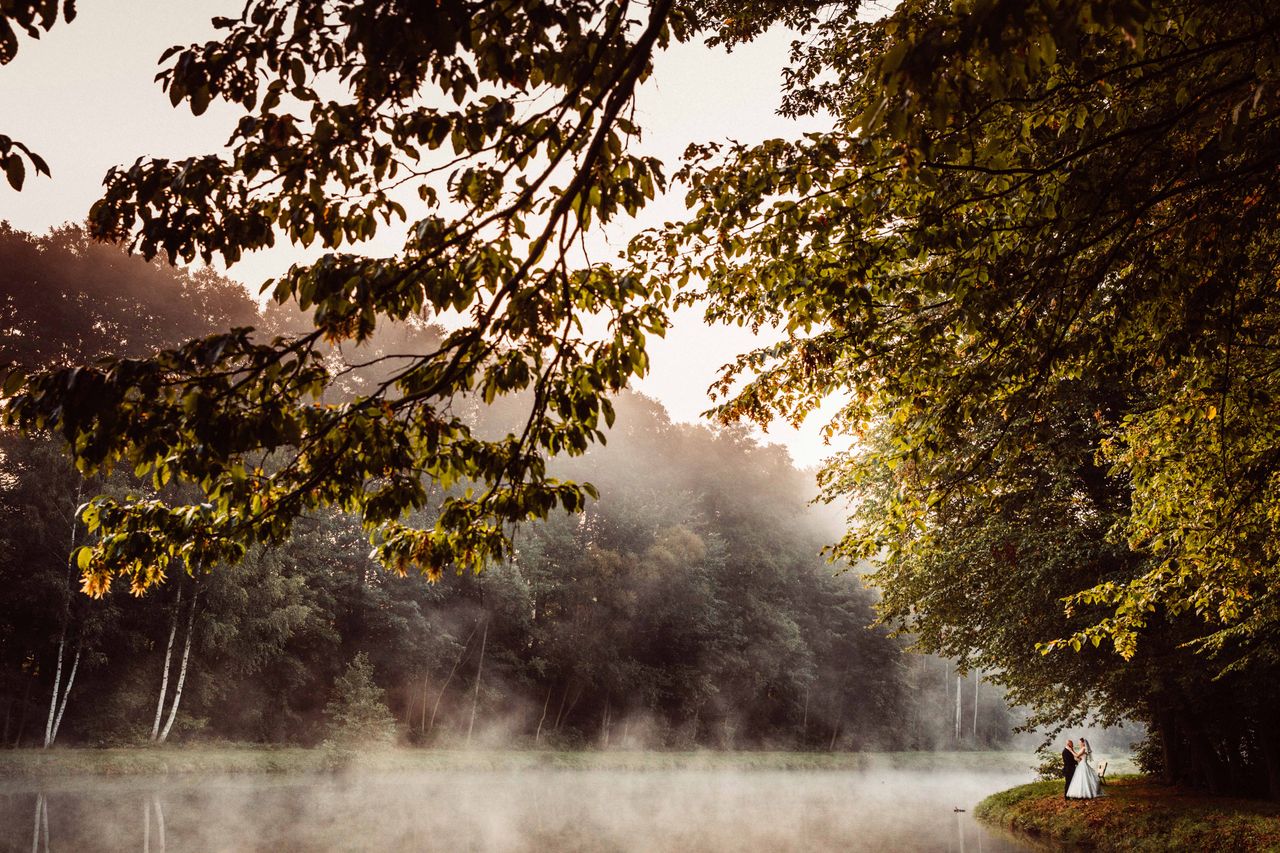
(1081, 781)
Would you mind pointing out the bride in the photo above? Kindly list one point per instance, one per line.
(1085, 784)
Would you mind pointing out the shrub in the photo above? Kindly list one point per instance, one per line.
(357, 712)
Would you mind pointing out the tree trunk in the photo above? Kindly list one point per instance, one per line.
(537, 736)
(1270, 742)
(71, 679)
(182, 671)
(426, 688)
(475, 698)
(456, 664)
(55, 699)
(564, 697)
(958, 714)
(804, 719)
(57, 687)
(164, 678)
(604, 724)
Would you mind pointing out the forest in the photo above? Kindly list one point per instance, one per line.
(688, 606)
(1028, 256)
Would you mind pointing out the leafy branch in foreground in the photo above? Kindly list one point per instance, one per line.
(508, 122)
(29, 16)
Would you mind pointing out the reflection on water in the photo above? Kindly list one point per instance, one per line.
(478, 810)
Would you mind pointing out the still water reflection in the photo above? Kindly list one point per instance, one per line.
(883, 808)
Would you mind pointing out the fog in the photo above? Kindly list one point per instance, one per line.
(882, 806)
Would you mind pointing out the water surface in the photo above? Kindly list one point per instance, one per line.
(879, 807)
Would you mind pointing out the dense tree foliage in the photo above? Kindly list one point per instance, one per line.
(1034, 259)
(505, 126)
(688, 605)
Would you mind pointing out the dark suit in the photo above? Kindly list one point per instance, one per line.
(1068, 768)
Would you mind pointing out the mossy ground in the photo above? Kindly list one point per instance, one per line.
(1137, 814)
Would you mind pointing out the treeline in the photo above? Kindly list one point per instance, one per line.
(687, 606)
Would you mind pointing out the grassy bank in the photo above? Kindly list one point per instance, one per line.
(255, 759)
(1137, 814)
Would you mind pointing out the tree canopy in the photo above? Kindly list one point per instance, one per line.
(1034, 260)
(508, 122)
(1031, 256)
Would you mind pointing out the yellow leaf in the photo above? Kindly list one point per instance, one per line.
(1213, 412)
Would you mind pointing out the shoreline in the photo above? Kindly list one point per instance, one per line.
(256, 759)
(1137, 814)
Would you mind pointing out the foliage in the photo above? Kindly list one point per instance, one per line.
(29, 16)
(1033, 259)
(357, 711)
(688, 605)
(508, 121)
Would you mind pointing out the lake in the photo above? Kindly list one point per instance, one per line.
(884, 805)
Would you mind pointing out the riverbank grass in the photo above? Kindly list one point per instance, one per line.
(1137, 814)
(241, 758)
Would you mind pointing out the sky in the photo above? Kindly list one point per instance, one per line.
(84, 97)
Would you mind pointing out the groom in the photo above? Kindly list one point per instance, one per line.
(1068, 766)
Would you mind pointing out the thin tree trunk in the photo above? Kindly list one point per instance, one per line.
(426, 700)
(164, 678)
(62, 634)
(564, 697)
(573, 703)
(835, 732)
(537, 736)
(475, 698)
(958, 714)
(57, 686)
(604, 723)
(66, 692)
(456, 664)
(804, 720)
(182, 671)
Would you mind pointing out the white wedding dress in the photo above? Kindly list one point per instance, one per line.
(1085, 784)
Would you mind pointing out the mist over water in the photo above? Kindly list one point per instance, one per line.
(880, 807)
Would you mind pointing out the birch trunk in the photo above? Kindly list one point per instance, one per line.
(537, 736)
(55, 699)
(66, 691)
(475, 698)
(958, 714)
(426, 700)
(182, 671)
(164, 678)
(57, 686)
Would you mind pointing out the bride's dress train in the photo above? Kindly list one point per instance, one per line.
(1085, 784)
